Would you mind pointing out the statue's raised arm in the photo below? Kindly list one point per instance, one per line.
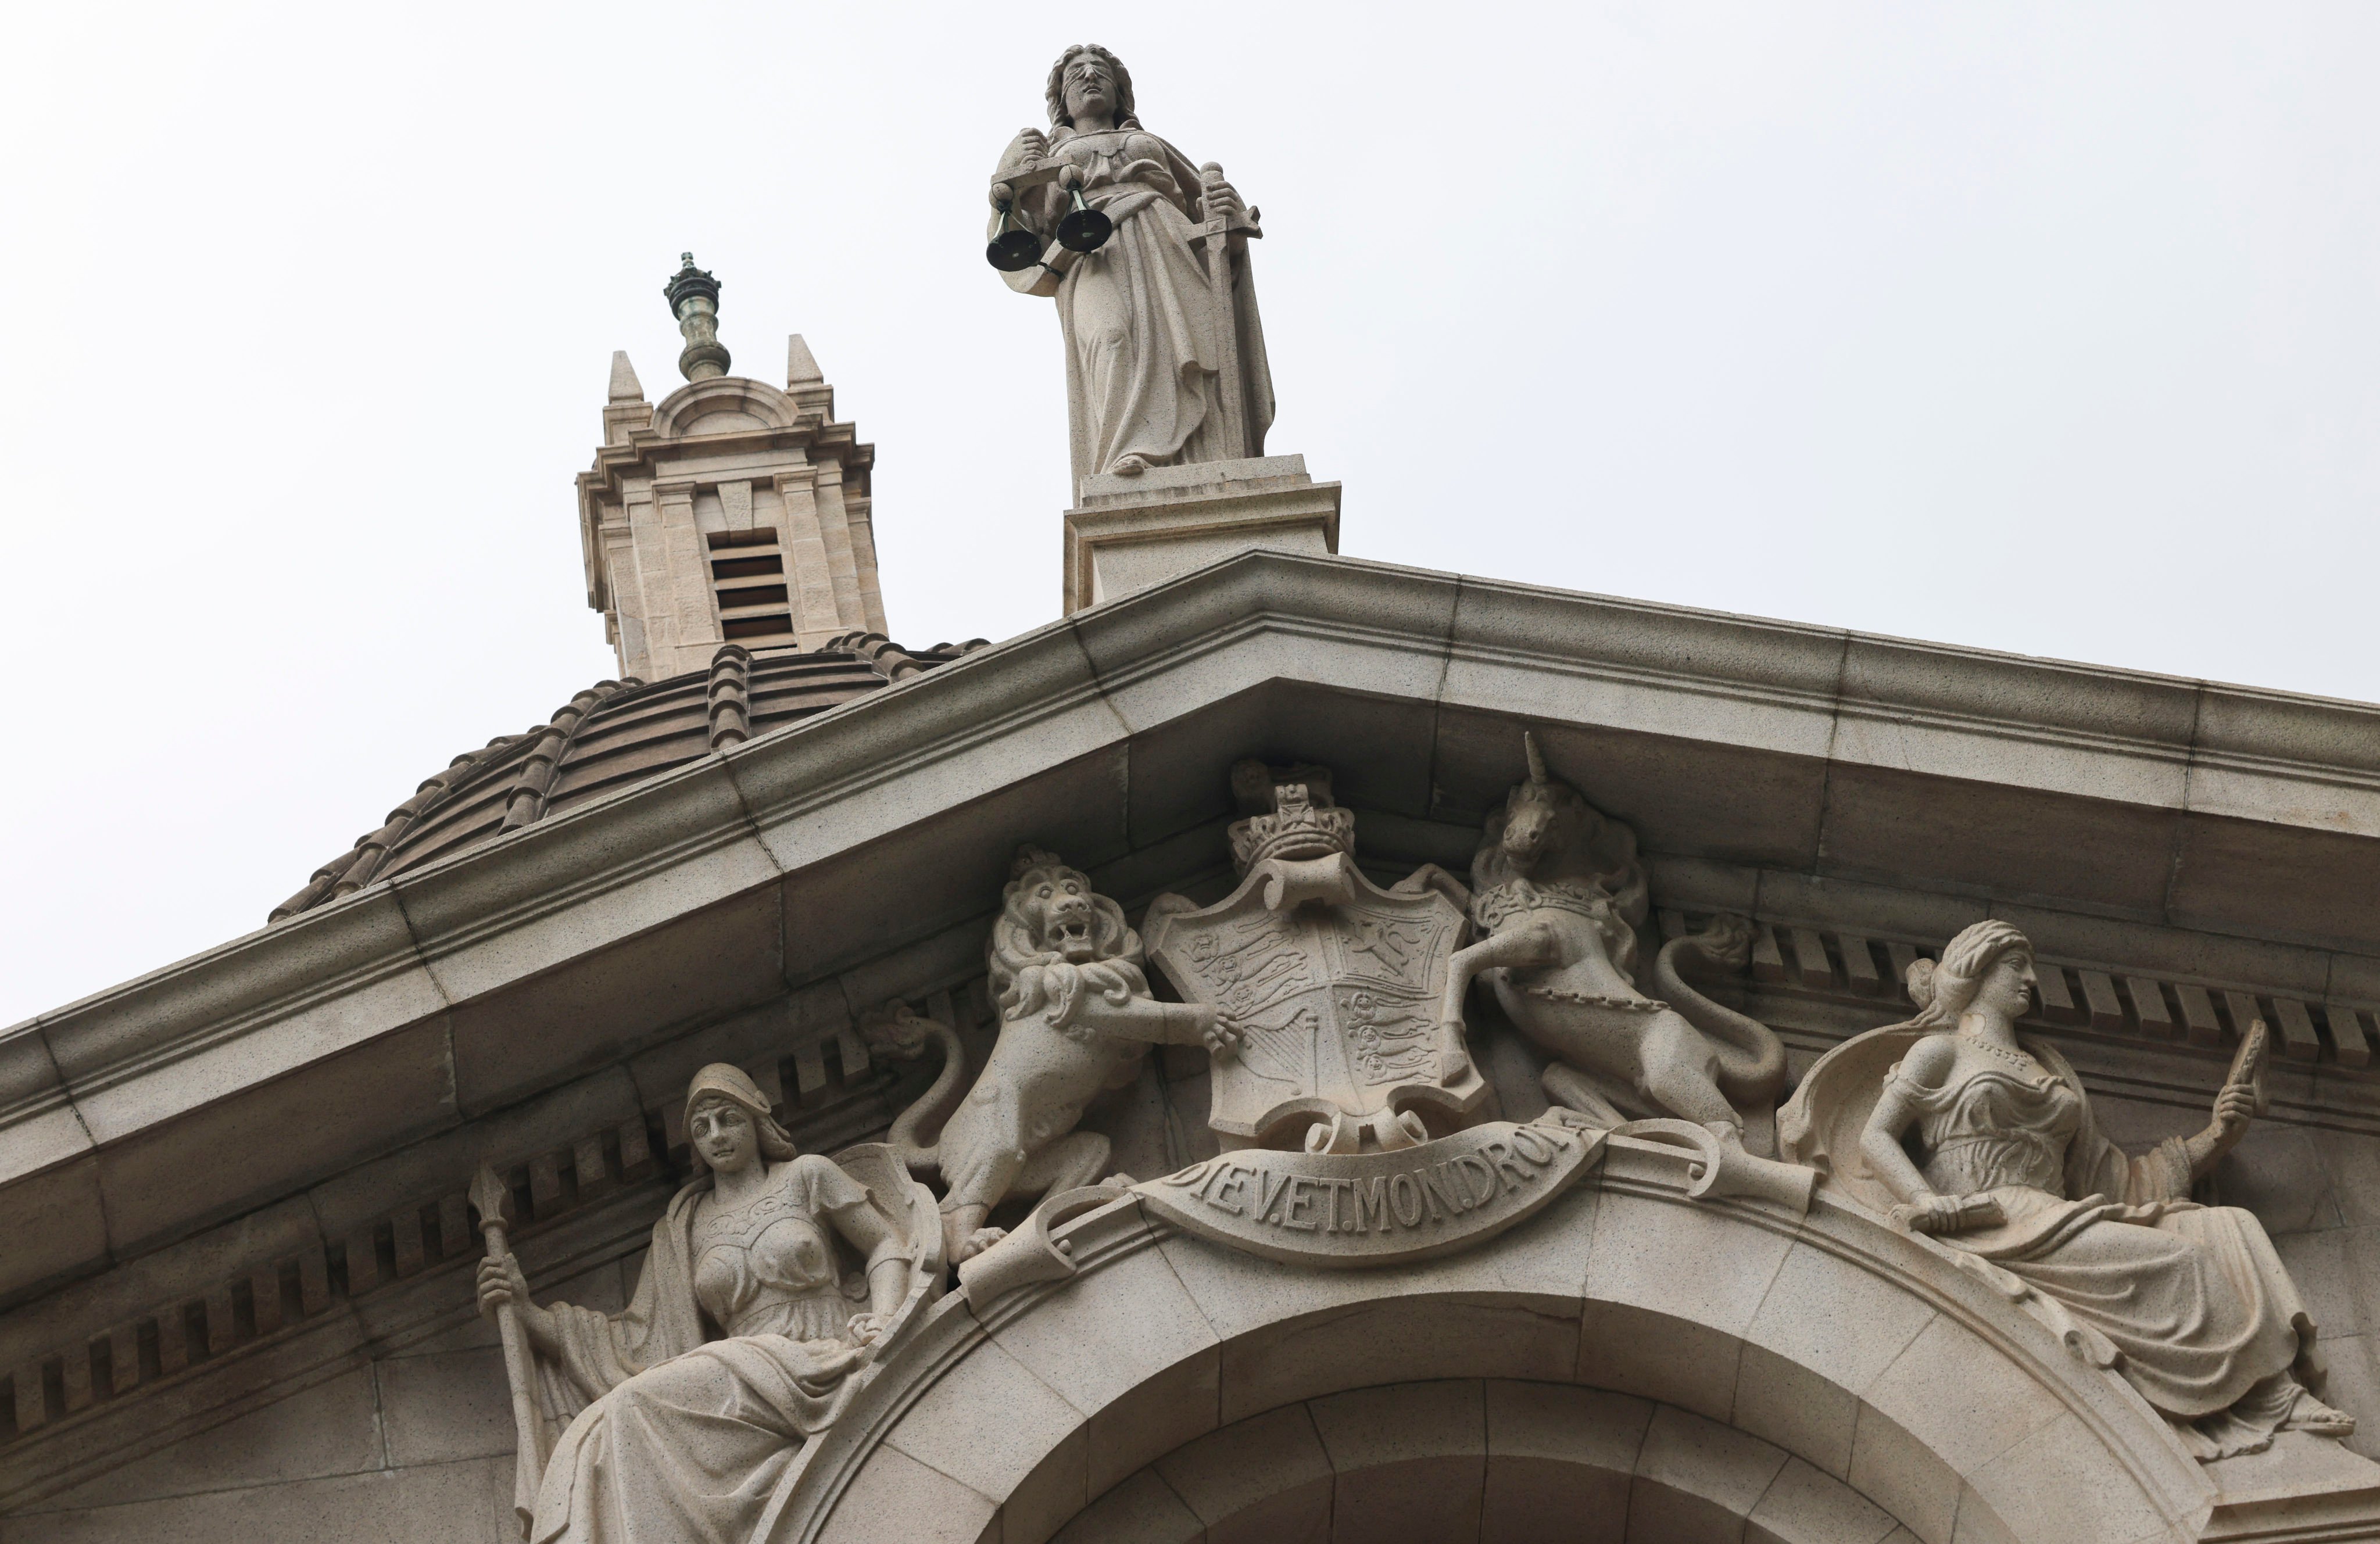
(1165, 358)
(1952, 1125)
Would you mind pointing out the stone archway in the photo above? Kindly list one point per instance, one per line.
(1893, 1383)
(1455, 1460)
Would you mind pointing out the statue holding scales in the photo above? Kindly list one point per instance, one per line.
(1147, 258)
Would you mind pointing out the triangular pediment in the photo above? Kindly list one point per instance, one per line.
(280, 1097)
(2210, 832)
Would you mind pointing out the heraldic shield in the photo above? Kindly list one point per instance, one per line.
(1334, 985)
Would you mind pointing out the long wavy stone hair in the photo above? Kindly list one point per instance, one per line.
(1942, 991)
(1056, 93)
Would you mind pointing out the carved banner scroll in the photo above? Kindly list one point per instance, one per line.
(1344, 1210)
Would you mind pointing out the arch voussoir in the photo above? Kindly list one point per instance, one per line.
(1631, 1353)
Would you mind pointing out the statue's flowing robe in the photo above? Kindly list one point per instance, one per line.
(672, 1436)
(1144, 325)
(2204, 1318)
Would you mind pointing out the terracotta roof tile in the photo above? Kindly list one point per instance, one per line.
(607, 737)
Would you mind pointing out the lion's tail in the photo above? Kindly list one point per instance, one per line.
(1751, 1057)
(904, 1035)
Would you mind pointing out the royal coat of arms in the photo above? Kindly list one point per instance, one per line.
(1333, 984)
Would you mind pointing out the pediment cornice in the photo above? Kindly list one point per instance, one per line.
(2178, 828)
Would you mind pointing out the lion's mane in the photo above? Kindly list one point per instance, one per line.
(1029, 978)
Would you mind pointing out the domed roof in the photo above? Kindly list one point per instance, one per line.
(613, 734)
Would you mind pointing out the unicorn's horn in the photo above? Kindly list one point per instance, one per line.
(1536, 757)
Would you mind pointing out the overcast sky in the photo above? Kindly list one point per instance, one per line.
(2037, 327)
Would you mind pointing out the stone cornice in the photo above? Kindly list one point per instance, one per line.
(2226, 812)
(646, 449)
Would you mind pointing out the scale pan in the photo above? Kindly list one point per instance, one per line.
(1013, 251)
(1085, 229)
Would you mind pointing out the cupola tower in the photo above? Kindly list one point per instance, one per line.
(731, 512)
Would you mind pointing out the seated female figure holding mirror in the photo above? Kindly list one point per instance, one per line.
(2189, 1302)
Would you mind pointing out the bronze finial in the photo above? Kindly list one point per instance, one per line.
(694, 300)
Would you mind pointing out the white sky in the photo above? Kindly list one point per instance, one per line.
(2040, 327)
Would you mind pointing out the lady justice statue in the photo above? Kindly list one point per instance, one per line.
(774, 1282)
(1165, 358)
(1954, 1128)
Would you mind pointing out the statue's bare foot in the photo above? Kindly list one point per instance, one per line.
(1129, 466)
(2311, 1415)
(977, 1241)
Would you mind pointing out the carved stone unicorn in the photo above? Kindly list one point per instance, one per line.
(1557, 894)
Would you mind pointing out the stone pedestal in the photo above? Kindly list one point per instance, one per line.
(1127, 533)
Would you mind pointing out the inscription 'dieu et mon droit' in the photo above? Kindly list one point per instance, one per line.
(1374, 1207)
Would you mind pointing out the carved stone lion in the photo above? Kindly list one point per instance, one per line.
(1076, 1018)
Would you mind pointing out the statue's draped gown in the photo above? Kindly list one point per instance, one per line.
(687, 1436)
(2194, 1297)
(1144, 326)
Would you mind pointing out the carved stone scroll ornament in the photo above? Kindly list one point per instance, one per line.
(1718, 1167)
(1379, 1206)
(1032, 1252)
(660, 1427)
(1332, 982)
(1076, 1018)
(1558, 894)
(2012, 1176)
(1165, 355)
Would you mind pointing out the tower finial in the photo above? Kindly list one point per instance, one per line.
(694, 300)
